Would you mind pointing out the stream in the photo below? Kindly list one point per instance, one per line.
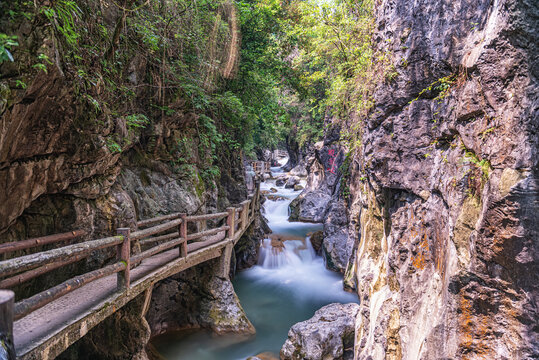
(289, 283)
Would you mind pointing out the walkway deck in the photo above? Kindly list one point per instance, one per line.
(48, 331)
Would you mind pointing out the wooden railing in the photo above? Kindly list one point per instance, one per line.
(261, 167)
(281, 153)
(158, 234)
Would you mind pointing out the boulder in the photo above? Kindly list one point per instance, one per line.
(311, 207)
(316, 239)
(280, 182)
(298, 187)
(329, 334)
(291, 182)
(273, 190)
(299, 170)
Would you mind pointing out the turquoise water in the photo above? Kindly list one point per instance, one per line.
(287, 286)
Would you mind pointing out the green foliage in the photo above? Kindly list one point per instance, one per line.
(344, 169)
(481, 164)
(136, 121)
(113, 146)
(334, 61)
(442, 85)
(6, 43)
(63, 14)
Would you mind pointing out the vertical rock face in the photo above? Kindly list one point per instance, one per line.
(445, 186)
(322, 200)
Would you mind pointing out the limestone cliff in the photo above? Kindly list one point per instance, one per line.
(444, 189)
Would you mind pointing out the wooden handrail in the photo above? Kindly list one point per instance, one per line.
(23, 263)
(159, 238)
(207, 216)
(26, 306)
(141, 234)
(30, 243)
(143, 223)
(207, 233)
(30, 274)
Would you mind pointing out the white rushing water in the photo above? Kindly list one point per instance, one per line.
(289, 283)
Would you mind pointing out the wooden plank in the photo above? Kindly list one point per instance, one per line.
(23, 308)
(158, 219)
(207, 232)
(23, 263)
(159, 238)
(19, 279)
(155, 250)
(207, 216)
(141, 234)
(30, 243)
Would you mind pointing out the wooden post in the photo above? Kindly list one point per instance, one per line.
(253, 201)
(245, 215)
(231, 221)
(123, 254)
(224, 261)
(7, 298)
(183, 235)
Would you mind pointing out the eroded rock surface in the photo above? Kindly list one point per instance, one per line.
(328, 335)
(444, 204)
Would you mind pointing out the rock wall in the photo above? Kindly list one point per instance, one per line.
(197, 298)
(323, 200)
(444, 189)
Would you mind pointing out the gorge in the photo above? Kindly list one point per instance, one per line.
(403, 222)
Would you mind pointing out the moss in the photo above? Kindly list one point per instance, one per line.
(145, 178)
(200, 187)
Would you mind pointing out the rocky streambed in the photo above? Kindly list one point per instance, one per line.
(286, 289)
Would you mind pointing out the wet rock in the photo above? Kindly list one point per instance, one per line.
(196, 298)
(280, 182)
(291, 182)
(329, 334)
(274, 190)
(298, 187)
(337, 246)
(311, 207)
(299, 170)
(275, 197)
(264, 356)
(248, 246)
(316, 239)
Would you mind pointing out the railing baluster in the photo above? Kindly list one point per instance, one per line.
(230, 221)
(245, 215)
(183, 235)
(252, 206)
(7, 298)
(123, 254)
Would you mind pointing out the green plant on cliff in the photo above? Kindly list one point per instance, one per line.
(6, 43)
(62, 14)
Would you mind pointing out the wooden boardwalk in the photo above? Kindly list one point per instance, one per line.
(49, 322)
